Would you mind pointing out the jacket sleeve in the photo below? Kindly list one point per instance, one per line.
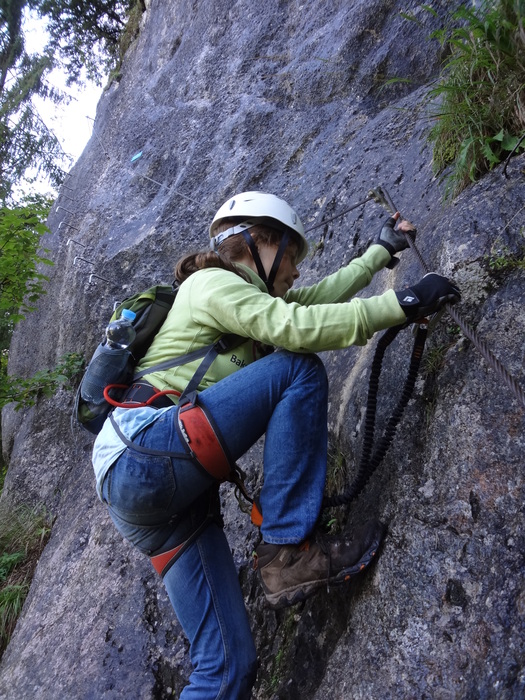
(347, 281)
(224, 301)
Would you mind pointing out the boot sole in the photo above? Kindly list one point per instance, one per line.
(300, 592)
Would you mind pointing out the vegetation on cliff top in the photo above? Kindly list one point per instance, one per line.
(478, 104)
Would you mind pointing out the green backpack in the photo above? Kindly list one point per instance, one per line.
(110, 366)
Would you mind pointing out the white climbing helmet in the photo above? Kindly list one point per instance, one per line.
(258, 208)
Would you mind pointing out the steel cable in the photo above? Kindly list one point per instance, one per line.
(340, 214)
(467, 331)
(369, 462)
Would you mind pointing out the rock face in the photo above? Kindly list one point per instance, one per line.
(292, 99)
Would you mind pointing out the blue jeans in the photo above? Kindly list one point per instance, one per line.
(283, 396)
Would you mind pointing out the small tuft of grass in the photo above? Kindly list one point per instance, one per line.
(24, 532)
(502, 260)
(337, 472)
(434, 359)
(506, 261)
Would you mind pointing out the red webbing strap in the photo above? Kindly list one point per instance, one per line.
(160, 560)
(256, 514)
(203, 441)
(163, 562)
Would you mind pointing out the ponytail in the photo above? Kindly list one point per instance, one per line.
(199, 261)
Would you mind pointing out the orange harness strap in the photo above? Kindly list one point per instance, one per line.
(203, 441)
(256, 514)
(161, 560)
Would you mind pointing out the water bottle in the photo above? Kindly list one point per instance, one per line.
(120, 333)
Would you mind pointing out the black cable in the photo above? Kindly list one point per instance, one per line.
(370, 461)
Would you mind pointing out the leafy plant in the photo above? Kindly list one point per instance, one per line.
(8, 562)
(25, 392)
(21, 282)
(506, 262)
(478, 105)
(21, 285)
(87, 34)
(503, 260)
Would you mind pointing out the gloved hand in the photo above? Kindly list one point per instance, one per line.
(395, 240)
(427, 296)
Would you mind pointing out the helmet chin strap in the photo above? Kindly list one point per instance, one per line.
(255, 255)
(267, 279)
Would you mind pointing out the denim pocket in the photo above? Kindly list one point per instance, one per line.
(141, 485)
(149, 489)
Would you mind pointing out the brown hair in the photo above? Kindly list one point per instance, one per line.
(232, 249)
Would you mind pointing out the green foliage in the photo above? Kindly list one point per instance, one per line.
(21, 282)
(23, 534)
(434, 359)
(131, 31)
(337, 477)
(502, 260)
(86, 38)
(273, 680)
(24, 393)
(479, 102)
(25, 141)
(11, 601)
(21, 285)
(337, 472)
(86, 34)
(8, 563)
(23, 529)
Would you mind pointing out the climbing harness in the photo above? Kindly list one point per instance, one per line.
(198, 432)
(163, 562)
(204, 442)
(163, 559)
(206, 450)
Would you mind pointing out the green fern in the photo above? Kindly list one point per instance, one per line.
(478, 105)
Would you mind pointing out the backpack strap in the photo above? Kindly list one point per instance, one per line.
(208, 353)
(176, 361)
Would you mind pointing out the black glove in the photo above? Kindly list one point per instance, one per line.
(427, 296)
(394, 241)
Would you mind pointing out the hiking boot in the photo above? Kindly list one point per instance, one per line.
(290, 573)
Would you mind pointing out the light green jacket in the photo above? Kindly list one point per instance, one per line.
(213, 302)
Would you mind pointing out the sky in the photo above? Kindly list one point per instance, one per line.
(72, 123)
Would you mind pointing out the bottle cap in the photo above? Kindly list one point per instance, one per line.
(127, 313)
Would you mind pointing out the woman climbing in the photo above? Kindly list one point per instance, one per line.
(158, 467)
